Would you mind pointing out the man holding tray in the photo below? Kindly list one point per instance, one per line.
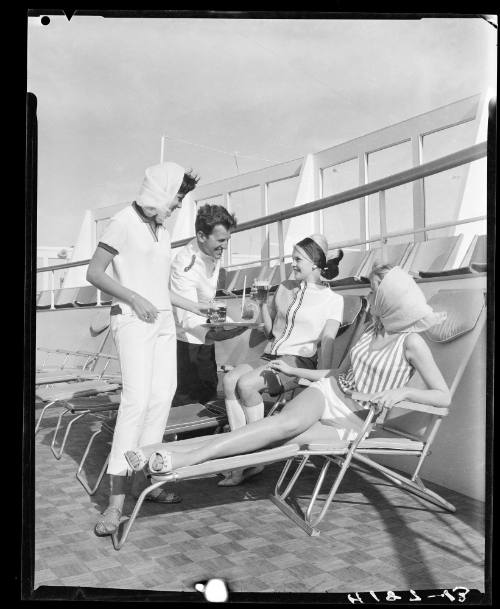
(194, 274)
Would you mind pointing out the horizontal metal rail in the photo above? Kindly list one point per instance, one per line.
(462, 157)
(356, 242)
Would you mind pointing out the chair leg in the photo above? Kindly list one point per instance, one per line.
(91, 490)
(279, 498)
(119, 541)
(416, 487)
(58, 453)
(49, 405)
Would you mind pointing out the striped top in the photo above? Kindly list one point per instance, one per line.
(377, 370)
(300, 311)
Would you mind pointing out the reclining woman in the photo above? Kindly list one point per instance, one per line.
(380, 365)
(302, 313)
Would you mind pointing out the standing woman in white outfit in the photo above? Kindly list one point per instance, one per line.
(137, 245)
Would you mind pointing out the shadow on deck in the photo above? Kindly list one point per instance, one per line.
(374, 537)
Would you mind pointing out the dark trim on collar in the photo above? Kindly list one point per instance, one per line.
(143, 216)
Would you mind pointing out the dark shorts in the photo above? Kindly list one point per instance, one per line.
(276, 382)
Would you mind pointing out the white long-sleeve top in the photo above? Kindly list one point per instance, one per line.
(193, 275)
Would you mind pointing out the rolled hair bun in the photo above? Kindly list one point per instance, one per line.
(332, 265)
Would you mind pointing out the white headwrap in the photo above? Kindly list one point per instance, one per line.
(400, 305)
(161, 184)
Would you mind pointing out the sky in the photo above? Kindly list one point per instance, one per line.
(270, 90)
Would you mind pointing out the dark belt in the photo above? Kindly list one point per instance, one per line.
(115, 310)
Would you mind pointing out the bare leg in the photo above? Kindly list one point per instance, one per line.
(235, 412)
(248, 388)
(297, 416)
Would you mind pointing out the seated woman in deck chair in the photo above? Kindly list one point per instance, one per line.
(381, 363)
(302, 312)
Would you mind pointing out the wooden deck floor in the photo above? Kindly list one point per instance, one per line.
(375, 537)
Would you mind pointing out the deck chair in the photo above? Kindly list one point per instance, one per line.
(350, 268)
(66, 396)
(408, 429)
(230, 278)
(251, 273)
(51, 376)
(474, 261)
(66, 298)
(80, 360)
(182, 419)
(434, 255)
(86, 296)
(43, 300)
(452, 344)
(394, 254)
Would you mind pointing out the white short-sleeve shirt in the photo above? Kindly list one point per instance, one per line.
(193, 275)
(301, 311)
(141, 258)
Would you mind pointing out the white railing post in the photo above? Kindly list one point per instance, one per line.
(383, 222)
(281, 249)
(383, 217)
(98, 299)
(52, 287)
(227, 204)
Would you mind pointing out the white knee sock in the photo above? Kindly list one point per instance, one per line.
(235, 414)
(255, 413)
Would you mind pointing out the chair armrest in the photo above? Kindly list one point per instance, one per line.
(304, 382)
(441, 411)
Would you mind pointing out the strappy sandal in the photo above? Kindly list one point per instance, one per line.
(166, 465)
(136, 459)
(109, 522)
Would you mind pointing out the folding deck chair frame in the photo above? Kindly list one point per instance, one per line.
(67, 398)
(360, 450)
(303, 447)
(216, 419)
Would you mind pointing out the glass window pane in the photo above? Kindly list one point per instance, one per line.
(446, 141)
(342, 222)
(246, 205)
(281, 195)
(246, 246)
(459, 192)
(399, 200)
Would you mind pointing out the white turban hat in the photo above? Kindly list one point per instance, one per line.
(160, 185)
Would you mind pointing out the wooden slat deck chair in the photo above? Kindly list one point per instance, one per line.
(182, 419)
(68, 396)
(474, 261)
(452, 344)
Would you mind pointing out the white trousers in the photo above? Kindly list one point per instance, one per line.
(148, 361)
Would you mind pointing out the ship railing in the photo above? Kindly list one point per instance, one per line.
(456, 159)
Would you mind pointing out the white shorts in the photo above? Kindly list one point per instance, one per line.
(336, 412)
